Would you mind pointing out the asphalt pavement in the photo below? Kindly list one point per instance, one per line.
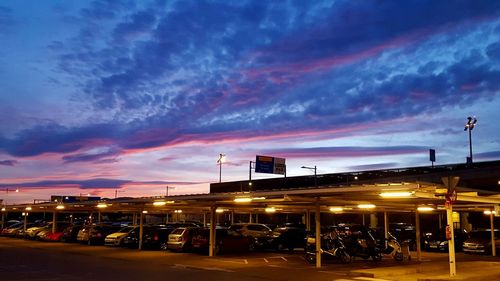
(33, 260)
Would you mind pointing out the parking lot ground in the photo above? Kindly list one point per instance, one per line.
(32, 260)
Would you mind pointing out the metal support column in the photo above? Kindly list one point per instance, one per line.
(256, 218)
(317, 218)
(204, 219)
(417, 232)
(451, 243)
(492, 226)
(25, 221)
(3, 219)
(386, 227)
(211, 244)
(54, 221)
(232, 217)
(99, 217)
(251, 217)
(308, 220)
(141, 229)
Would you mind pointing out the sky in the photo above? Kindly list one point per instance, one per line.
(129, 97)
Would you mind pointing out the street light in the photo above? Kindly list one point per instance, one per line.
(471, 123)
(222, 157)
(315, 175)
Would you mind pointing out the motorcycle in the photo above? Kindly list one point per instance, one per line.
(331, 246)
(363, 244)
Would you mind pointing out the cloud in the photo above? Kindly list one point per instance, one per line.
(6, 19)
(369, 167)
(100, 183)
(344, 151)
(100, 156)
(488, 155)
(8, 162)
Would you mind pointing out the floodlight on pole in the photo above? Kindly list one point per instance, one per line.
(222, 157)
(315, 174)
(469, 126)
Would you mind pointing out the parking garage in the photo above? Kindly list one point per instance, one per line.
(448, 194)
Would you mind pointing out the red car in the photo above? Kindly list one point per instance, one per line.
(226, 241)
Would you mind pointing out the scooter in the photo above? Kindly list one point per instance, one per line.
(393, 248)
(331, 246)
(364, 245)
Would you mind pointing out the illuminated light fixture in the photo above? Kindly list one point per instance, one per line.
(259, 198)
(60, 207)
(3, 209)
(243, 199)
(28, 209)
(498, 182)
(366, 206)
(425, 209)
(177, 211)
(42, 207)
(102, 205)
(396, 194)
(270, 210)
(24, 214)
(488, 212)
(144, 212)
(219, 210)
(159, 203)
(355, 177)
(336, 209)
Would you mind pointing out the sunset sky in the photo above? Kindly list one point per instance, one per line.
(98, 96)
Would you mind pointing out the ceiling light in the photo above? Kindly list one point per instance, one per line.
(336, 209)
(219, 210)
(425, 209)
(28, 209)
(60, 207)
(488, 212)
(3, 209)
(270, 210)
(159, 203)
(366, 206)
(259, 198)
(243, 199)
(102, 205)
(178, 211)
(396, 194)
(144, 212)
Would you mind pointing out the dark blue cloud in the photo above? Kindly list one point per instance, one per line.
(488, 155)
(8, 162)
(6, 19)
(369, 167)
(108, 156)
(101, 183)
(344, 151)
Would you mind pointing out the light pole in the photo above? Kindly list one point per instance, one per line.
(471, 123)
(315, 175)
(221, 159)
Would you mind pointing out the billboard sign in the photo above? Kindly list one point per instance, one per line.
(270, 165)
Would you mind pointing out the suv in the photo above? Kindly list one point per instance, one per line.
(180, 238)
(261, 233)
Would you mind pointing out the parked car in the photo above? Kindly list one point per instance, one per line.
(35, 228)
(95, 234)
(288, 236)
(48, 235)
(116, 238)
(70, 233)
(12, 230)
(261, 233)
(8, 224)
(152, 238)
(180, 238)
(479, 241)
(437, 240)
(226, 241)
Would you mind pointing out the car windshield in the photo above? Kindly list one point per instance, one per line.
(177, 231)
(486, 234)
(126, 229)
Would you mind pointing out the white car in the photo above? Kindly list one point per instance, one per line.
(116, 239)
